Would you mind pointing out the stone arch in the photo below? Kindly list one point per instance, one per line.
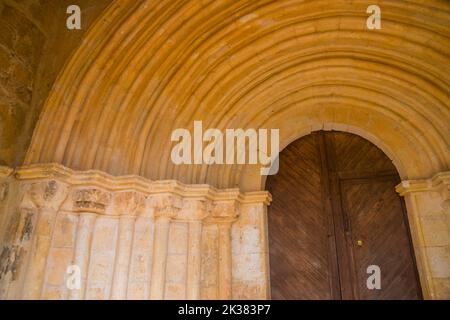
(341, 127)
(143, 72)
(146, 68)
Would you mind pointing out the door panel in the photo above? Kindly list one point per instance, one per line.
(299, 226)
(376, 219)
(332, 190)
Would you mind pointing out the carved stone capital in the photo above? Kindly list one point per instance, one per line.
(127, 203)
(194, 209)
(45, 194)
(224, 211)
(165, 205)
(5, 172)
(90, 200)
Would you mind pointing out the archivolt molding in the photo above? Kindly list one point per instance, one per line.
(147, 68)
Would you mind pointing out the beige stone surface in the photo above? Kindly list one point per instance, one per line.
(426, 202)
(131, 238)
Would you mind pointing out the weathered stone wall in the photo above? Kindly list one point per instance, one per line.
(131, 238)
(34, 47)
(21, 45)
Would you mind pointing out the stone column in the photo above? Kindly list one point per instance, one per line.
(225, 274)
(251, 251)
(88, 202)
(166, 208)
(126, 205)
(47, 196)
(194, 211)
(223, 215)
(428, 207)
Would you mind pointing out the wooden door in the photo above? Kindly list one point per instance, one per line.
(335, 213)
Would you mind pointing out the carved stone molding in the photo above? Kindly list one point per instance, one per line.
(128, 203)
(224, 211)
(90, 200)
(5, 171)
(103, 181)
(440, 183)
(165, 205)
(97, 192)
(194, 209)
(44, 194)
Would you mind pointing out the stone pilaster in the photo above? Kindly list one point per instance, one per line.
(127, 206)
(428, 208)
(166, 208)
(88, 203)
(195, 211)
(224, 214)
(251, 250)
(47, 197)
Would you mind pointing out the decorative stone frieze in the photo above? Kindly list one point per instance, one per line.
(165, 205)
(45, 194)
(128, 203)
(90, 200)
(224, 211)
(194, 209)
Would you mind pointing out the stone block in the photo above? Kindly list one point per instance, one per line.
(175, 291)
(58, 261)
(65, 231)
(105, 235)
(436, 231)
(439, 258)
(101, 269)
(176, 268)
(442, 286)
(178, 238)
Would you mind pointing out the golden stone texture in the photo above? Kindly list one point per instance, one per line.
(109, 96)
(149, 67)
